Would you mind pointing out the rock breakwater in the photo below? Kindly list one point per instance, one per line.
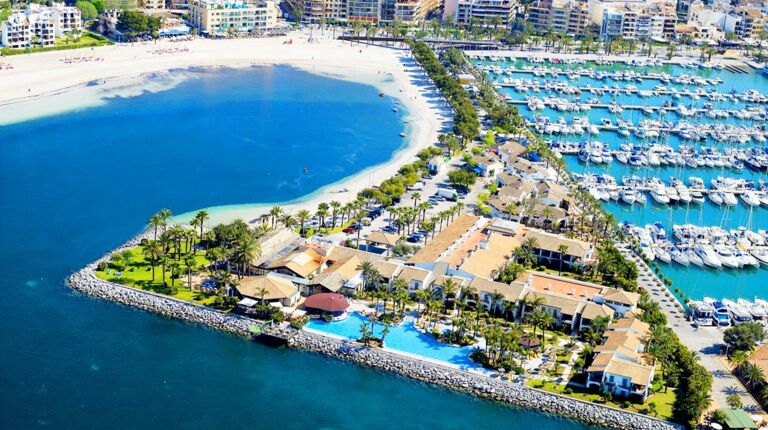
(478, 385)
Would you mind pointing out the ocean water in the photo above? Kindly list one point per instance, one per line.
(75, 185)
(692, 281)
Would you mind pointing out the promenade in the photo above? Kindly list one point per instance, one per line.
(705, 341)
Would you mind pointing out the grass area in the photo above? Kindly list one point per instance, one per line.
(663, 401)
(87, 40)
(137, 273)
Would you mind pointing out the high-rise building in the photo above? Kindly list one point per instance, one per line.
(464, 11)
(560, 16)
(225, 16)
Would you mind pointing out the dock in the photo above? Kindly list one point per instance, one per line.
(276, 335)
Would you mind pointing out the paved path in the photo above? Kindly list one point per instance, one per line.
(706, 341)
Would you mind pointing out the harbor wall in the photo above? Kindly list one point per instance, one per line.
(478, 385)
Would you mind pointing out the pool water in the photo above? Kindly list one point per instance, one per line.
(404, 338)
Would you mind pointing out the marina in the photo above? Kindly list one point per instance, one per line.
(668, 143)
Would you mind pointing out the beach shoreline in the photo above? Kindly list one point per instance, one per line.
(44, 84)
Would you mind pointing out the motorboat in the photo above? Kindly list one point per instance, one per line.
(659, 194)
(726, 256)
(729, 199)
(708, 256)
(716, 197)
(722, 317)
(738, 313)
(679, 257)
(750, 198)
(761, 255)
(755, 311)
(628, 196)
(702, 313)
(662, 254)
(693, 258)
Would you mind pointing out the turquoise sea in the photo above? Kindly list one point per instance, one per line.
(73, 186)
(693, 281)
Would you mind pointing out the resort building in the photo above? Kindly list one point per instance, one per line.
(228, 16)
(620, 365)
(445, 242)
(485, 11)
(364, 10)
(560, 16)
(270, 288)
(635, 21)
(39, 25)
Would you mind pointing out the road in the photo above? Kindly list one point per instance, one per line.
(706, 341)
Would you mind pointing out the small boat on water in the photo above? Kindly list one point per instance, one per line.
(662, 254)
(702, 313)
(761, 255)
(679, 257)
(659, 194)
(628, 196)
(738, 313)
(721, 316)
(756, 311)
(708, 256)
(726, 256)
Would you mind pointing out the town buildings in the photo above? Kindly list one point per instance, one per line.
(227, 16)
(39, 25)
(560, 16)
(372, 11)
(488, 12)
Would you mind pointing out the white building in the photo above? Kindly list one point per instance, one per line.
(463, 11)
(224, 16)
(39, 25)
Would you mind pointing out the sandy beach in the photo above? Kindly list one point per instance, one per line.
(49, 83)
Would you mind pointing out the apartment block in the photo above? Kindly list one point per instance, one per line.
(560, 16)
(39, 25)
(220, 16)
(464, 11)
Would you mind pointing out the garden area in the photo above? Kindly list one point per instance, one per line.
(133, 268)
(658, 405)
(86, 40)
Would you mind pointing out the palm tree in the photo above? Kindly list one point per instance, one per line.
(497, 301)
(753, 375)
(275, 214)
(450, 288)
(244, 253)
(262, 292)
(155, 222)
(416, 197)
(562, 250)
(303, 215)
(287, 220)
(200, 218)
(189, 262)
(153, 250)
(369, 273)
(335, 206)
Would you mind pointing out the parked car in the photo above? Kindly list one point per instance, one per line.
(350, 230)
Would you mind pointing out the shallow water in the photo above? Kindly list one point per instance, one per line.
(75, 185)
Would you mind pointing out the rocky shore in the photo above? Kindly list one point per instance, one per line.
(481, 386)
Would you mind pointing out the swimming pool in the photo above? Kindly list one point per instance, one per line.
(405, 338)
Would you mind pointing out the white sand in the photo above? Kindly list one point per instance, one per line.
(43, 84)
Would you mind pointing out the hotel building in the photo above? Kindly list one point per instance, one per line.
(39, 25)
(463, 11)
(224, 16)
(560, 16)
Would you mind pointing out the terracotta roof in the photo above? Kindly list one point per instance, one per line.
(410, 273)
(442, 241)
(632, 324)
(760, 358)
(593, 310)
(329, 302)
(277, 287)
(387, 269)
(620, 296)
(639, 374)
(496, 252)
(511, 292)
(550, 242)
(612, 340)
(544, 282)
(566, 305)
(440, 280)
(302, 262)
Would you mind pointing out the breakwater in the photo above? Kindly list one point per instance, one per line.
(478, 385)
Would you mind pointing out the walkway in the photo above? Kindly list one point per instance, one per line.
(706, 341)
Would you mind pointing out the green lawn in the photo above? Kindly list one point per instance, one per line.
(138, 274)
(87, 40)
(663, 401)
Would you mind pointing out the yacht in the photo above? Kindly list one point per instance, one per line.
(679, 257)
(702, 313)
(737, 312)
(750, 198)
(729, 199)
(708, 256)
(755, 311)
(662, 254)
(628, 196)
(721, 316)
(761, 255)
(726, 256)
(716, 197)
(745, 259)
(697, 197)
(693, 258)
(659, 194)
